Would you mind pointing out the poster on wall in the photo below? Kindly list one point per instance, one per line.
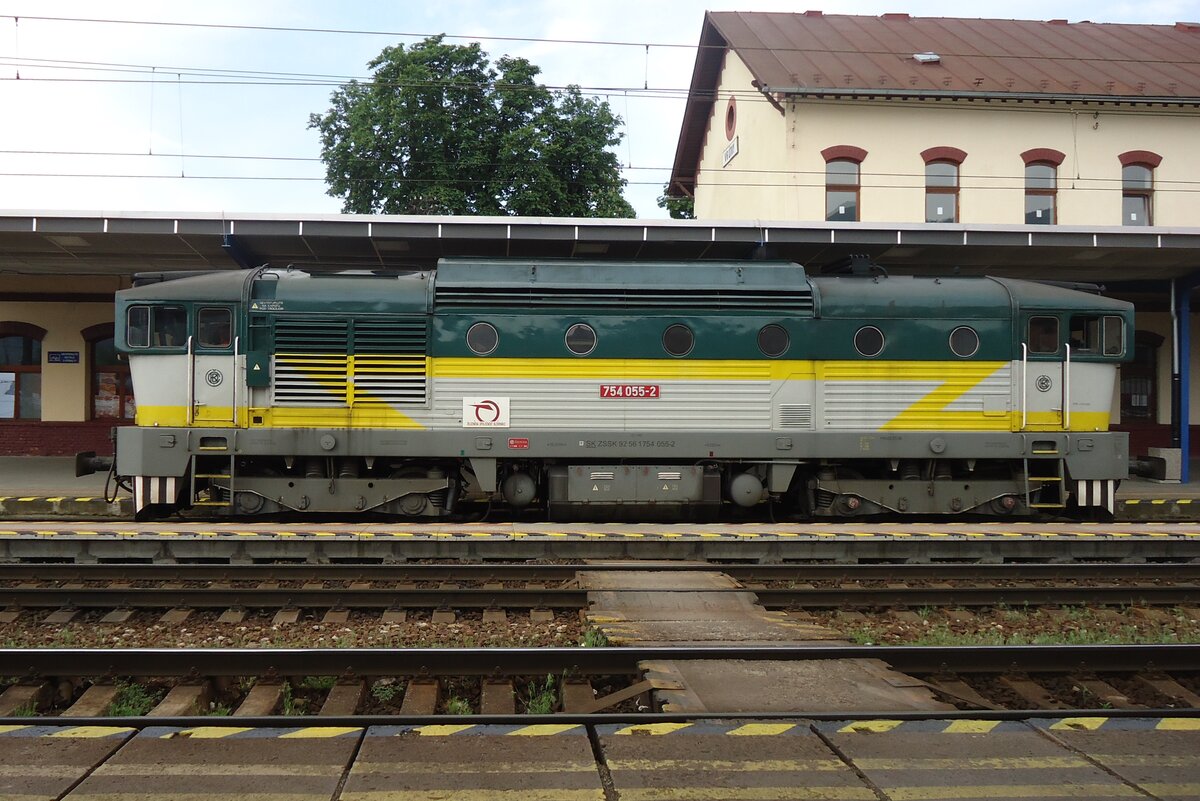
(8, 396)
(108, 400)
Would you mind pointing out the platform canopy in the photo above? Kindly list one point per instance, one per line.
(59, 243)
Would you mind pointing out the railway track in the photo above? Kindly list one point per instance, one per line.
(993, 682)
(473, 587)
(534, 571)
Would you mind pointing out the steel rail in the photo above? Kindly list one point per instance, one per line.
(284, 598)
(574, 598)
(45, 662)
(562, 572)
(596, 719)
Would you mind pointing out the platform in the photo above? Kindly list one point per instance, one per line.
(1063, 758)
(241, 543)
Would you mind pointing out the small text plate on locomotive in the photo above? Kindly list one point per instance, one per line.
(629, 391)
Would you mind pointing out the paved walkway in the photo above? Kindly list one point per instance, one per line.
(1069, 758)
(46, 475)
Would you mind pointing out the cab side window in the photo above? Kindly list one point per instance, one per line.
(1114, 336)
(214, 328)
(1043, 335)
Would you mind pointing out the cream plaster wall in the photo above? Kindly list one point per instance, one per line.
(65, 387)
(895, 132)
(1160, 323)
(755, 183)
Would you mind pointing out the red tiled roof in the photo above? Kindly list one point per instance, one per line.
(818, 51)
(814, 53)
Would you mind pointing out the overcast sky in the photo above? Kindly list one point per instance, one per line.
(149, 116)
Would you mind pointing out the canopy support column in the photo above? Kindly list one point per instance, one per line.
(1181, 362)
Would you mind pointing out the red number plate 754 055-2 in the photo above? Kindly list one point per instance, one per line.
(629, 390)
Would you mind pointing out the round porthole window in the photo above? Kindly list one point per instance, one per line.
(581, 339)
(868, 341)
(678, 340)
(964, 341)
(482, 338)
(773, 340)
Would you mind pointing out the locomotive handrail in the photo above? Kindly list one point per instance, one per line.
(1066, 382)
(234, 376)
(191, 382)
(1024, 388)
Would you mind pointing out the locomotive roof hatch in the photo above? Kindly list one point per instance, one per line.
(1040, 295)
(728, 285)
(213, 285)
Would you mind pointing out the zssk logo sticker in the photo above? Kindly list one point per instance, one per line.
(490, 412)
(487, 412)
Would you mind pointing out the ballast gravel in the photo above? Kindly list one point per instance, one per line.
(362, 630)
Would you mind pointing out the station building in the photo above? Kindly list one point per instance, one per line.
(961, 125)
(759, 137)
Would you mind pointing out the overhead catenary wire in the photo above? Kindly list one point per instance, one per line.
(558, 40)
(1190, 187)
(1158, 107)
(1012, 180)
(726, 170)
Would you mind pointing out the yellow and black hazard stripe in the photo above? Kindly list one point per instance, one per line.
(488, 730)
(728, 535)
(970, 726)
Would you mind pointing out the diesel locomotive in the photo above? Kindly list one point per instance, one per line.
(618, 390)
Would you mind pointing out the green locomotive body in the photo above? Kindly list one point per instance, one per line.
(619, 389)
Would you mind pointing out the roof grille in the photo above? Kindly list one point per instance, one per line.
(311, 335)
(508, 297)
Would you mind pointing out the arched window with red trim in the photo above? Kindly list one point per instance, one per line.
(1041, 185)
(111, 384)
(21, 371)
(843, 165)
(1137, 186)
(942, 183)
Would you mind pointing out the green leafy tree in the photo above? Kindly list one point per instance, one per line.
(680, 208)
(440, 130)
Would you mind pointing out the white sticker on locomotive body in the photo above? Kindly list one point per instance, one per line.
(485, 412)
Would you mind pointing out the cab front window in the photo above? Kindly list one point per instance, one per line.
(1097, 334)
(1084, 336)
(168, 326)
(155, 327)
